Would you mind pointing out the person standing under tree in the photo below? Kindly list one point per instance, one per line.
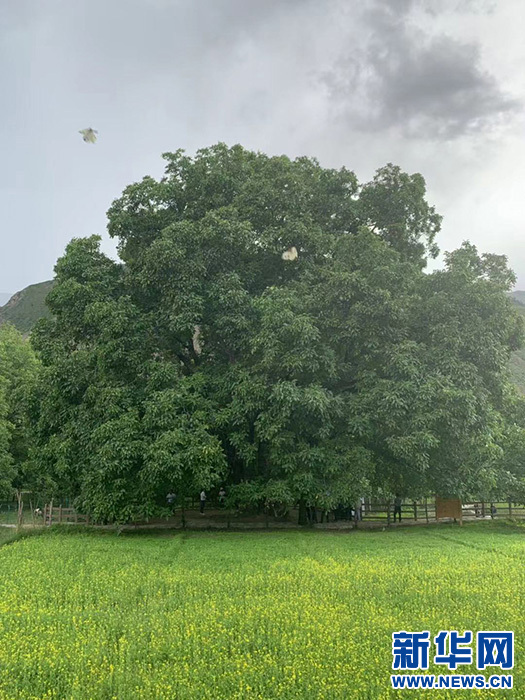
(203, 500)
(397, 507)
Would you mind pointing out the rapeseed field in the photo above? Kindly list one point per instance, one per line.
(241, 616)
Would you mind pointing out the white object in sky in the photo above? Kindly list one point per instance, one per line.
(89, 135)
(290, 254)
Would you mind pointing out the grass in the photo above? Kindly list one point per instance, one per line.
(259, 615)
(7, 535)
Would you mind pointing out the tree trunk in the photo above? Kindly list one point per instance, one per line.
(303, 520)
(183, 512)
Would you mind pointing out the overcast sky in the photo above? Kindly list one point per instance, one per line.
(436, 86)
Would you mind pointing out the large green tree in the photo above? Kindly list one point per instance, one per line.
(204, 355)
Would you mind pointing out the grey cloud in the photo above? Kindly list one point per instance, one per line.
(422, 86)
(118, 44)
(150, 76)
(118, 50)
(156, 75)
(436, 7)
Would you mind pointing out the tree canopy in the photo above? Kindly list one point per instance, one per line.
(204, 357)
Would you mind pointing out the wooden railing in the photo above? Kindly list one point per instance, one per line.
(58, 514)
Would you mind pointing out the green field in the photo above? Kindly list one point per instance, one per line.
(260, 615)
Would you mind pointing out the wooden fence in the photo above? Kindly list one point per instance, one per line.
(425, 510)
(59, 514)
(371, 511)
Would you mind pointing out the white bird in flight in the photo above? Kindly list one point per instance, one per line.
(290, 254)
(89, 135)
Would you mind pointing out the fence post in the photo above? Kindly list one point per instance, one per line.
(482, 509)
(415, 511)
(51, 513)
(60, 513)
(388, 513)
(510, 508)
(20, 500)
(426, 510)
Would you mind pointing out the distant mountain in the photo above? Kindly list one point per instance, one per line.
(25, 308)
(519, 296)
(4, 297)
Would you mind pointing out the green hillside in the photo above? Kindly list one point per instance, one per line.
(25, 308)
(519, 296)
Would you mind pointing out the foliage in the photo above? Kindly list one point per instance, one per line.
(449, 382)
(204, 355)
(18, 372)
(7, 471)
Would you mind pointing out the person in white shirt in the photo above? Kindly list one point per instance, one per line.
(203, 501)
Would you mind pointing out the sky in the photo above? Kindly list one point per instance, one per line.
(435, 86)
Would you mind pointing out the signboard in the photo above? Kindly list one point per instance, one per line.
(449, 508)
